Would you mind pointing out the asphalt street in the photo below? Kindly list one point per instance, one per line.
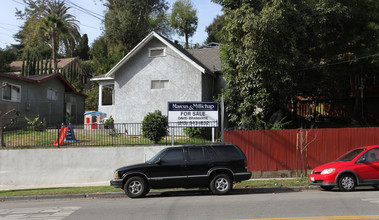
(195, 204)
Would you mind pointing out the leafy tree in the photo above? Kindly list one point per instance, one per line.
(82, 50)
(128, 22)
(92, 100)
(105, 55)
(260, 56)
(214, 30)
(6, 57)
(154, 126)
(184, 19)
(273, 51)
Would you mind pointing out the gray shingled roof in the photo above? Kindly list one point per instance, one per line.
(208, 56)
(42, 78)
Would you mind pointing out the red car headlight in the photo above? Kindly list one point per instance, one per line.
(328, 171)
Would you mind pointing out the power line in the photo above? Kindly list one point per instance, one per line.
(356, 59)
(21, 3)
(89, 11)
(13, 25)
(88, 26)
(8, 29)
(84, 10)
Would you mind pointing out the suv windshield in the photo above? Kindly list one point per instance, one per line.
(350, 155)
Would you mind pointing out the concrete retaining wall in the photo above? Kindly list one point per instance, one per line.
(66, 167)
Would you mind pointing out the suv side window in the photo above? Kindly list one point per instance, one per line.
(198, 153)
(173, 155)
(227, 152)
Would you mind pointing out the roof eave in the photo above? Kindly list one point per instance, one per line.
(102, 79)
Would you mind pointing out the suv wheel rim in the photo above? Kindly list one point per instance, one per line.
(347, 183)
(221, 184)
(135, 187)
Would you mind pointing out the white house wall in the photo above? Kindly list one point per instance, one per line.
(134, 97)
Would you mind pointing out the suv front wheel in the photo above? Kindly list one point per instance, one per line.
(221, 184)
(136, 187)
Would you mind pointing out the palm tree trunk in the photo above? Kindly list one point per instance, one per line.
(54, 50)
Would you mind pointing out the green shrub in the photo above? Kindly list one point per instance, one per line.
(195, 132)
(35, 124)
(154, 126)
(109, 123)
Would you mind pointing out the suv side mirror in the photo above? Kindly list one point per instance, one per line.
(158, 161)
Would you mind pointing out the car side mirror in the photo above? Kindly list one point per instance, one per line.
(362, 160)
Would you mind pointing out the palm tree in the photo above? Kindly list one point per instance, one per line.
(52, 26)
(60, 26)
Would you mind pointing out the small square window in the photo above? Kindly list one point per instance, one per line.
(12, 93)
(52, 94)
(159, 84)
(156, 52)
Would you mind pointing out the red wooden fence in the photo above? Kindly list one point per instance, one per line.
(271, 150)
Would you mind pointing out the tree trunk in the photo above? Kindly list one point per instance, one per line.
(187, 47)
(54, 50)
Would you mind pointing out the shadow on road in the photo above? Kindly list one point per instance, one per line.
(205, 192)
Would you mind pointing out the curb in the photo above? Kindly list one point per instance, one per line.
(164, 193)
(63, 196)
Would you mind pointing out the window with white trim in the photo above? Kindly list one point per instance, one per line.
(159, 84)
(108, 95)
(12, 93)
(52, 94)
(156, 52)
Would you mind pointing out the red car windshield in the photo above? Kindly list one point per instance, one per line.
(350, 155)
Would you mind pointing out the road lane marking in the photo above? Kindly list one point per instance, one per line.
(376, 201)
(319, 218)
(53, 213)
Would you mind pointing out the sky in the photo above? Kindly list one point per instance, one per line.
(92, 26)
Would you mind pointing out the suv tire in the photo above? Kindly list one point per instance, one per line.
(136, 187)
(221, 184)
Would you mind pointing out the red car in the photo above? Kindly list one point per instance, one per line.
(359, 167)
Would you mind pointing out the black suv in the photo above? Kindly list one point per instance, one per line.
(215, 166)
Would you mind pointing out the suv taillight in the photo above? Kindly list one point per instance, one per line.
(246, 164)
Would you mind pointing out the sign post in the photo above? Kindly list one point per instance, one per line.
(193, 114)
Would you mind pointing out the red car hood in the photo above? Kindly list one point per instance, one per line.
(336, 164)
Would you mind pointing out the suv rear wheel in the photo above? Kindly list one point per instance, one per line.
(136, 187)
(221, 184)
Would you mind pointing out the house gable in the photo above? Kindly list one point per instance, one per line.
(166, 42)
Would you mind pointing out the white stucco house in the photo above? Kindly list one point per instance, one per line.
(155, 72)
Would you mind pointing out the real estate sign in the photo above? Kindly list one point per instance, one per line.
(193, 114)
